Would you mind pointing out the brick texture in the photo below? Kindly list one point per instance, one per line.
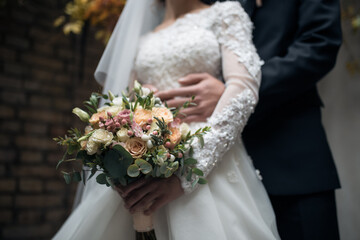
(39, 85)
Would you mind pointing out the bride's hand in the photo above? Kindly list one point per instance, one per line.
(150, 194)
(206, 89)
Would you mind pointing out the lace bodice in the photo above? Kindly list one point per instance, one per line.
(216, 40)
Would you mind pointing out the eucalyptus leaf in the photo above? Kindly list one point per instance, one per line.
(163, 168)
(117, 161)
(133, 170)
(122, 181)
(109, 181)
(101, 178)
(168, 173)
(144, 166)
(67, 178)
(76, 177)
(93, 171)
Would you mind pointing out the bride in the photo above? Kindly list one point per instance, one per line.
(193, 37)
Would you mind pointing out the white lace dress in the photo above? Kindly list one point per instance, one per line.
(234, 204)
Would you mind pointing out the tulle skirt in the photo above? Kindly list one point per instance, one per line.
(233, 205)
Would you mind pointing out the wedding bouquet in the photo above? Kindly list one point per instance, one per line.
(131, 137)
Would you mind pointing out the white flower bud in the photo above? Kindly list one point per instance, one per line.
(84, 116)
(145, 138)
(117, 101)
(172, 158)
(111, 96)
(145, 91)
(149, 144)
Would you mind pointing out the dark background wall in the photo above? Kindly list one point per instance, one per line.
(43, 75)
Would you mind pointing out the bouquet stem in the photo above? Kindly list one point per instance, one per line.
(143, 225)
(146, 235)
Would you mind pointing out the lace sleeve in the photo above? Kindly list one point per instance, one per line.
(241, 69)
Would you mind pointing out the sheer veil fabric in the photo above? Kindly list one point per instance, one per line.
(138, 18)
(234, 203)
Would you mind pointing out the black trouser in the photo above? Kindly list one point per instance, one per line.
(310, 217)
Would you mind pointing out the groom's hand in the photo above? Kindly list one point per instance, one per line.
(206, 89)
(150, 194)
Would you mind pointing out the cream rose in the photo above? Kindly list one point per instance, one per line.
(184, 129)
(136, 147)
(122, 135)
(92, 147)
(100, 136)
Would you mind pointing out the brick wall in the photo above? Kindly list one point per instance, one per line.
(43, 75)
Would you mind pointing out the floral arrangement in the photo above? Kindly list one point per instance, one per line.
(100, 13)
(129, 139)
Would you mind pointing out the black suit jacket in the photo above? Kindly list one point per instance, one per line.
(299, 41)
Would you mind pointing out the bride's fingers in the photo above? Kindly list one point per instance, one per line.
(144, 203)
(133, 186)
(137, 195)
(156, 205)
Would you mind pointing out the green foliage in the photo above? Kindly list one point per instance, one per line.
(162, 126)
(117, 161)
(176, 111)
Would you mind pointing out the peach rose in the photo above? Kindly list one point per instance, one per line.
(175, 136)
(163, 112)
(141, 116)
(94, 120)
(136, 147)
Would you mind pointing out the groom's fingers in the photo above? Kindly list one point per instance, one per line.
(194, 118)
(177, 92)
(177, 102)
(192, 79)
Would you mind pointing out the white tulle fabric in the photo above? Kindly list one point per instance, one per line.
(234, 203)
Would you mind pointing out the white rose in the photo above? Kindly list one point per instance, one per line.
(184, 130)
(145, 91)
(101, 136)
(122, 135)
(117, 101)
(91, 147)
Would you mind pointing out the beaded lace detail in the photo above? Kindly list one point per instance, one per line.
(226, 128)
(194, 44)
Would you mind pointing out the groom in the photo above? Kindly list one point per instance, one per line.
(299, 41)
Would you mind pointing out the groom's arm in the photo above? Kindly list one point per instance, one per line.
(311, 55)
